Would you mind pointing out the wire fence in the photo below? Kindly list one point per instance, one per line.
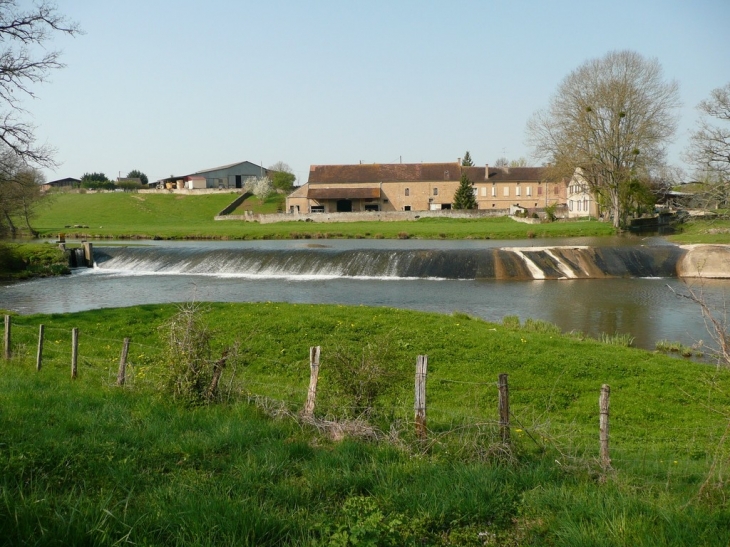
(487, 418)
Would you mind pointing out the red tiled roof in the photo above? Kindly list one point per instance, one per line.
(417, 172)
(383, 172)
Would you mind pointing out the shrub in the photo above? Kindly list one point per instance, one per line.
(359, 375)
(191, 375)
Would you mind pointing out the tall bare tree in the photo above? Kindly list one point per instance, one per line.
(25, 61)
(612, 117)
(709, 149)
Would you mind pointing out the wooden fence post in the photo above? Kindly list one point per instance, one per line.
(122, 374)
(218, 367)
(39, 354)
(420, 402)
(74, 352)
(7, 338)
(314, 353)
(504, 408)
(604, 405)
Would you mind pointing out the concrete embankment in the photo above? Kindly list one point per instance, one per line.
(710, 261)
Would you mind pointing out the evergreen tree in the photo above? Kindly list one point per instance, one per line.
(467, 162)
(464, 196)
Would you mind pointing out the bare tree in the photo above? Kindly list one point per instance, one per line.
(612, 117)
(709, 150)
(20, 192)
(24, 61)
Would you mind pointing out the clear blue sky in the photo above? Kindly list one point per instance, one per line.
(172, 87)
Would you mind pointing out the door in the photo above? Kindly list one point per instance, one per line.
(344, 206)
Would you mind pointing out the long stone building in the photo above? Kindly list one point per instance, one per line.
(420, 187)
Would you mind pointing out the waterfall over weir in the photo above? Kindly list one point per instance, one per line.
(499, 263)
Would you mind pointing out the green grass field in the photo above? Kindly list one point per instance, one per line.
(131, 215)
(84, 462)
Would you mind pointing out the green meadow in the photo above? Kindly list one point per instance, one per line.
(85, 462)
(125, 215)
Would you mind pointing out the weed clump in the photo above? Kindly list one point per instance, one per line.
(191, 375)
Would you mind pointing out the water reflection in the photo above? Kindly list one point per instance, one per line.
(645, 308)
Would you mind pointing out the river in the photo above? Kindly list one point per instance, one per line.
(160, 272)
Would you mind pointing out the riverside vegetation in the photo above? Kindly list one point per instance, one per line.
(84, 462)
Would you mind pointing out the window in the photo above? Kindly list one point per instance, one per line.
(570, 205)
(585, 205)
(476, 192)
(529, 191)
(407, 208)
(446, 175)
(578, 204)
(539, 190)
(484, 191)
(436, 191)
(408, 192)
(556, 190)
(506, 191)
(494, 191)
(517, 191)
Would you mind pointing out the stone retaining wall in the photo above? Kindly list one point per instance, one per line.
(367, 216)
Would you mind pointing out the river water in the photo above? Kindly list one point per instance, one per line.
(646, 308)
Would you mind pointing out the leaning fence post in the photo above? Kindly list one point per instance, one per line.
(604, 405)
(122, 374)
(7, 338)
(503, 407)
(314, 353)
(420, 402)
(74, 351)
(39, 354)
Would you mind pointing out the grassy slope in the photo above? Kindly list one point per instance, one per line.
(704, 231)
(90, 462)
(171, 216)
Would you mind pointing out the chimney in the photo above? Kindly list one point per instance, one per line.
(458, 161)
(486, 172)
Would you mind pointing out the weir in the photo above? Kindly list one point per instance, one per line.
(525, 263)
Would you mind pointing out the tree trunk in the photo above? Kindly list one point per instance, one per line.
(616, 207)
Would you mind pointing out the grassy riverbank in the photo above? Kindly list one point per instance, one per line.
(703, 231)
(84, 462)
(168, 216)
(23, 261)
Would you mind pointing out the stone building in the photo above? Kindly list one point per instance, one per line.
(420, 187)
